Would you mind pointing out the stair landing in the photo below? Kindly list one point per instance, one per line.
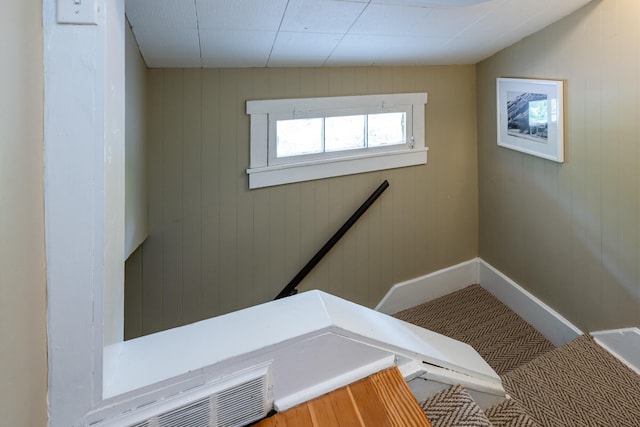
(382, 399)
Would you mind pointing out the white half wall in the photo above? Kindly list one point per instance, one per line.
(312, 343)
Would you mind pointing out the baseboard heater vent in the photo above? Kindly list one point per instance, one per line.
(237, 405)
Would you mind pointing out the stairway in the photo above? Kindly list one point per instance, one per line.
(578, 384)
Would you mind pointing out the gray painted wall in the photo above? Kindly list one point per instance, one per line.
(570, 233)
(215, 246)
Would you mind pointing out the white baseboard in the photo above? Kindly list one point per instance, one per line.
(426, 288)
(623, 344)
(543, 318)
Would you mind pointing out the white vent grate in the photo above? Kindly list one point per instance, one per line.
(242, 404)
(196, 414)
(234, 406)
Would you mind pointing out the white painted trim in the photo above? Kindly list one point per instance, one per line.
(300, 105)
(298, 172)
(265, 170)
(417, 291)
(431, 286)
(435, 373)
(624, 344)
(543, 318)
(332, 384)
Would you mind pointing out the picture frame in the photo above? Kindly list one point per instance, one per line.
(530, 116)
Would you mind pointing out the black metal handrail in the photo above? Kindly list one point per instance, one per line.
(290, 289)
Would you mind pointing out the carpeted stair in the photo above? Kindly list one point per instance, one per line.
(578, 384)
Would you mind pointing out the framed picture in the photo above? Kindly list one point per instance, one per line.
(530, 117)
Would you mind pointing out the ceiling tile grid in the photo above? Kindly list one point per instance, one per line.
(305, 33)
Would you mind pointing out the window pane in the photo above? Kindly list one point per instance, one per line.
(386, 129)
(299, 136)
(344, 133)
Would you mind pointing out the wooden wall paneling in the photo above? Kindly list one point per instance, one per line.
(386, 235)
(364, 187)
(584, 262)
(619, 126)
(308, 227)
(377, 288)
(351, 200)
(307, 81)
(253, 242)
(401, 197)
(322, 82)
(576, 156)
(532, 228)
(210, 165)
(228, 192)
(593, 144)
(580, 216)
(335, 257)
(610, 185)
(192, 197)
(293, 230)
(172, 198)
(133, 295)
(245, 289)
(152, 249)
(261, 213)
(629, 214)
(319, 276)
(278, 278)
(262, 246)
(629, 128)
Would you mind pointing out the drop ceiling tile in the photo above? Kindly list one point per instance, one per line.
(171, 44)
(161, 13)
(379, 31)
(433, 3)
(464, 51)
(255, 15)
(384, 19)
(302, 49)
(379, 50)
(321, 16)
(231, 48)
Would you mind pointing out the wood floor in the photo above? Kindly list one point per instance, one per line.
(381, 400)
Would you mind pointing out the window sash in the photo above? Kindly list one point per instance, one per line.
(262, 173)
(273, 119)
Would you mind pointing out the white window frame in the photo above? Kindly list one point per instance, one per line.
(265, 170)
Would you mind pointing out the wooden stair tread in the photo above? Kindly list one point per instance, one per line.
(380, 400)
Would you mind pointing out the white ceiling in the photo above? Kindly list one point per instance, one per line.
(312, 33)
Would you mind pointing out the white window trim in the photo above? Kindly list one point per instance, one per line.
(263, 174)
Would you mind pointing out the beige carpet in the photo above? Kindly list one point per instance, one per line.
(454, 407)
(509, 414)
(474, 316)
(579, 384)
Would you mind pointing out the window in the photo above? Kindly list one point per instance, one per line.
(310, 138)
